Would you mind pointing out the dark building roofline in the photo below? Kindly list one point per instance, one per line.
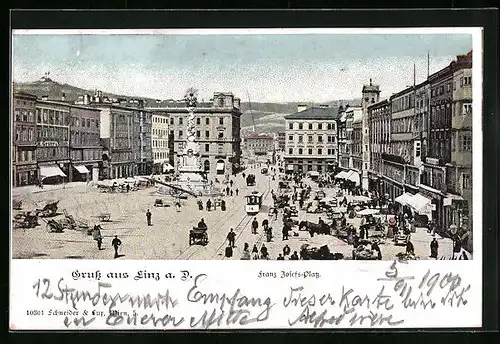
(314, 113)
(383, 102)
(405, 91)
(25, 95)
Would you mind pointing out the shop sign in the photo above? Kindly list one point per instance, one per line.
(48, 144)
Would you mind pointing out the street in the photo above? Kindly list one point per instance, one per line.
(168, 237)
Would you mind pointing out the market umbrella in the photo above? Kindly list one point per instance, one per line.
(368, 212)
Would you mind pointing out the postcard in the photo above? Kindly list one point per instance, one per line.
(246, 179)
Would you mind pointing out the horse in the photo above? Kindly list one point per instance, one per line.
(315, 228)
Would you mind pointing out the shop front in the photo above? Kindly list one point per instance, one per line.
(25, 174)
(81, 172)
(437, 213)
(52, 173)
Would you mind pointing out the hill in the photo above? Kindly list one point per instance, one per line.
(268, 117)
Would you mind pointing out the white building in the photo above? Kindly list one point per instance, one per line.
(160, 142)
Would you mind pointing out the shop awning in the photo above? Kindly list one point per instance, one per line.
(159, 161)
(421, 204)
(51, 171)
(313, 173)
(449, 198)
(168, 167)
(404, 198)
(340, 175)
(289, 168)
(220, 166)
(82, 169)
(354, 177)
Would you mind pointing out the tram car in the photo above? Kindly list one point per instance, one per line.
(253, 202)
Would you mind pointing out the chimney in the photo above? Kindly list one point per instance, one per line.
(301, 107)
(45, 97)
(63, 97)
(86, 99)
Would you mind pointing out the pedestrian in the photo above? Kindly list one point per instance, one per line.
(116, 243)
(285, 232)
(263, 252)
(231, 192)
(148, 217)
(434, 248)
(97, 236)
(294, 256)
(202, 224)
(237, 191)
(286, 250)
(128, 187)
(409, 248)
(275, 211)
(280, 257)
(255, 225)
(246, 253)
(231, 183)
(255, 252)
(209, 205)
(376, 248)
(231, 237)
(227, 191)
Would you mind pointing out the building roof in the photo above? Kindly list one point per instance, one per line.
(378, 104)
(24, 95)
(405, 91)
(260, 136)
(371, 88)
(315, 113)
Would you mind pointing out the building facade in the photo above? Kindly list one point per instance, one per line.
(24, 140)
(343, 155)
(260, 144)
(217, 132)
(117, 140)
(354, 142)
(379, 116)
(85, 146)
(281, 141)
(311, 143)
(159, 142)
(53, 137)
(370, 95)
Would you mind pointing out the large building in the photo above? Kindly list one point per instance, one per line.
(354, 132)
(281, 141)
(311, 143)
(24, 140)
(217, 131)
(259, 144)
(143, 149)
(53, 136)
(160, 142)
(85, 145)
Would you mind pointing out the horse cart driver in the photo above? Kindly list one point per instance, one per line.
(202, 224)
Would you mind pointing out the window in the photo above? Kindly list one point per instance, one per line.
(198, 133)
(300, 151)
(221, 135)
(320, 126)
(198, 121)
(454, 85)
(180, 121)
(310, 126)
(301, 139)
(88, 122)
(329, 126)
(301, 126)
(221, 101)
(466, 181)
(207, 134)
(207, 121)
(320, 138)
(466, 142)
(309, 138)
(290, 137)
(290, 151)
(180, 133)
(207, 147)
(221, 120)
(310, 151)
(467, 109)
(83, 121)
(172, 120)
(329, 151)
(290, 126)
(320, 151)
(366, 148)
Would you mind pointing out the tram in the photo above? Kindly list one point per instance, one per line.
(253, 202)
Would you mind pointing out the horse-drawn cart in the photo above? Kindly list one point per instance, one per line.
(198, 236)
(25, 220)
(48, 210)
(104, 217)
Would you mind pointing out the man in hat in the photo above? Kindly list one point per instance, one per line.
(255, 225)
(231, 237)
(434, 248)
(148, 217)
(116, 243)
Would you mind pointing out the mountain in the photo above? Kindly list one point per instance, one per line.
(268, 117)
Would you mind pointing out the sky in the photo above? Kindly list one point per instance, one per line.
(263, 68)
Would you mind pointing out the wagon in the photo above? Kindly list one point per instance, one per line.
(54, 226)
(104, 217)
(198, 236)
(49, 209)
(26, 220)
